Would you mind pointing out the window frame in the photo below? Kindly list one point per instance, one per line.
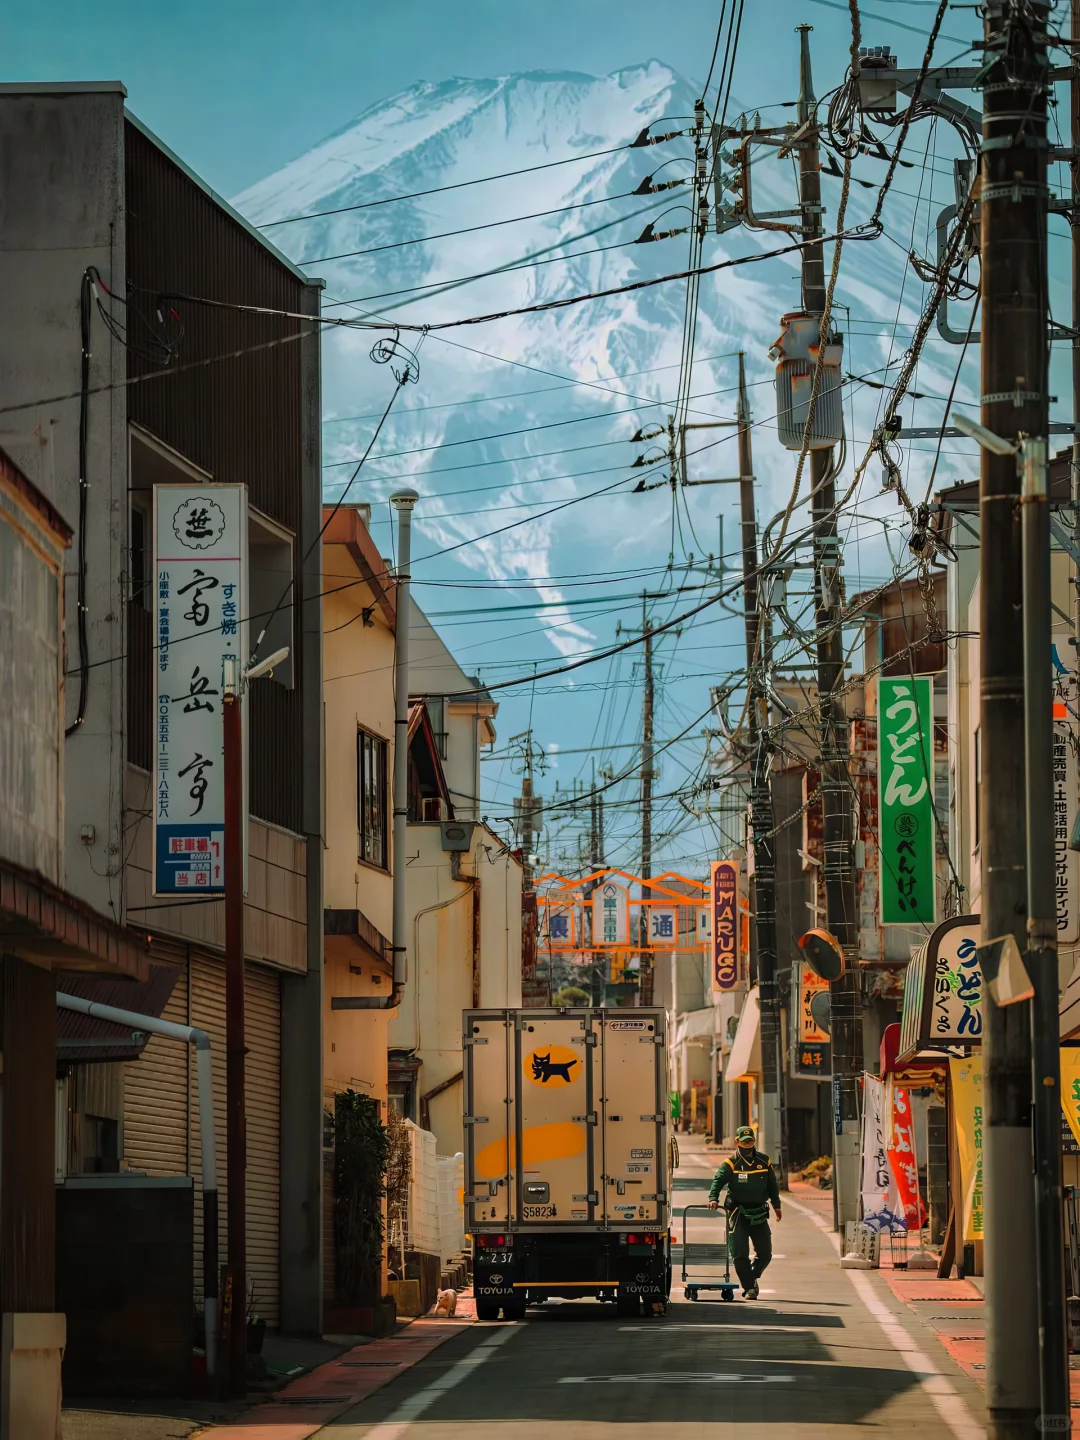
(369, 744)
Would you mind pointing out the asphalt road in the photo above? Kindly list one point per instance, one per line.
(820, 1353)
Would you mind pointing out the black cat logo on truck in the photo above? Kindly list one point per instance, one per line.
(567, 1191)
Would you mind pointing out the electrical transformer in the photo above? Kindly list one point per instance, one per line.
(796, 354)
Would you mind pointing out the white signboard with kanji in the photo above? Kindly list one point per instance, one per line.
(200, 572)
(611, 914)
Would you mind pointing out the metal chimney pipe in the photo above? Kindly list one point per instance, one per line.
(403, 502)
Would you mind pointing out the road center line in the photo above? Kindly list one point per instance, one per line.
(398, 1421)
(949, 1405)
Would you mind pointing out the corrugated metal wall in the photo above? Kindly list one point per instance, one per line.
(162, 1133)
(239, 418)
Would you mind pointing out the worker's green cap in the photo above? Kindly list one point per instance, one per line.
(744, 1132)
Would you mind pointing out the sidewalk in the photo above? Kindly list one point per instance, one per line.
(295, 1412)
(954, 1311)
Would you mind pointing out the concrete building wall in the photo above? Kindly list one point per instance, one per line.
(446, 971)
(358, 663)
(466, 723)
(61, 176)
(31, 683)
(358, 669)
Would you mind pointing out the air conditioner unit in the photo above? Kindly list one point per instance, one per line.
(433, 808)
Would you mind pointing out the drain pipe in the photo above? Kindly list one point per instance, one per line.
(201, 1040)
(403, 502)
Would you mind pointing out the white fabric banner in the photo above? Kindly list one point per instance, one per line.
(878, 1187)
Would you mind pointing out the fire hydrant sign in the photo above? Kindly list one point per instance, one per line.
(906, 799)
(200, 554)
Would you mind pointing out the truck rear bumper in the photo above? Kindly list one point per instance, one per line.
(537, 1267)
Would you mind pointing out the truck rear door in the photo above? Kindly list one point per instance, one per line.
(488, 1045)
(556, 1119)
(631, 1059)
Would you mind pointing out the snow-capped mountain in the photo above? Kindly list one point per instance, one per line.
(457, 434)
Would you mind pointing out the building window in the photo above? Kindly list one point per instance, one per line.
(371, 767)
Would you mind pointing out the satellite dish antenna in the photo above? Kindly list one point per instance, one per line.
(823, 953)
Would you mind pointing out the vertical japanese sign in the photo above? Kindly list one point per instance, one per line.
(200, 554)
(902, 1158)
(812, 1057)
(1066, 877)
(611, 914)
(966, 1096)
(725, 925)
(662, 926)
(906, 799)
(877, 1181)
(953, 984)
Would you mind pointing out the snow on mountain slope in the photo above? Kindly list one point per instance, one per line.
(452, 434)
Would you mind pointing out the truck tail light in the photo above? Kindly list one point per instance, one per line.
(488, 1242)
(641, 1239)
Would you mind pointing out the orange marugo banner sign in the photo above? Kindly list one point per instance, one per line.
(725, 925)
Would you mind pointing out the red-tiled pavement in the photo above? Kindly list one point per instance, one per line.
(313, 1400)
(954, 1311)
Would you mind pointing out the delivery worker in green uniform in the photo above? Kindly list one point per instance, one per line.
(751, 1185)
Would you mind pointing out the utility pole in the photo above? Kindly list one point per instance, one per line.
(1014, 405)
(647, 776)
(1042, 951)
(758, 654)
(836, 789)
(235, 1047)
(1074, 168)
(596, 851)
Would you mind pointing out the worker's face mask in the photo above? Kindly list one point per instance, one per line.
(746, 1147)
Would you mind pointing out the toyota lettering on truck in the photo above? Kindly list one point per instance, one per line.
(567, 1188)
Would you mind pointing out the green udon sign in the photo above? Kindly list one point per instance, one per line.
(906, 800)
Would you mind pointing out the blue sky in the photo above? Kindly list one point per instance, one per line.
(238, 88)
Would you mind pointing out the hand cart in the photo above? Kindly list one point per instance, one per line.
(706, 1254)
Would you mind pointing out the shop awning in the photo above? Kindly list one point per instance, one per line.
(744, 1062)
(696, 1025)
(47, 926)
(86, 1039)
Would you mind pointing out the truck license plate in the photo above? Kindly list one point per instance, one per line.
(538, 1212)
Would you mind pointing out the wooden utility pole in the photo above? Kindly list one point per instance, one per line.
(758, 653)
(836, 789)
(1015, 306)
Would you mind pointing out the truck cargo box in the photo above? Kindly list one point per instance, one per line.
(581, 1097)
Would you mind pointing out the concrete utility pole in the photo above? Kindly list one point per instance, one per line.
(1014, 404)
(647, 777)
(1042, 951)
(758, 654)
(1074, 167)
(836, 789)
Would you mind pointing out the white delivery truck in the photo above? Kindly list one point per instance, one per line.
(567, 1186)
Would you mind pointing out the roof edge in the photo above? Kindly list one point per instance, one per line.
(63, 87)
(222, 203)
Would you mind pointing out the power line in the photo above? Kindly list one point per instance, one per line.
(459, 185)
(469, 229)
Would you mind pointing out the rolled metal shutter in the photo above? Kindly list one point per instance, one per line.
(262, 1027)
(157, 1094)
